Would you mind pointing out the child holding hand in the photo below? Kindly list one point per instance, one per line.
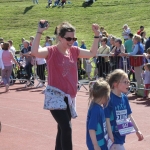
(119, 120)
(96, 133)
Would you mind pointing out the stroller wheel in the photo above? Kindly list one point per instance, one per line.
(23, 81)
(132, 87)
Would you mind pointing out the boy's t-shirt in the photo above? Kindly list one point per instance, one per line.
(118, 108)
(96, 121)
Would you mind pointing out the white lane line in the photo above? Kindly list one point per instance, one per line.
(22, 99)
(26, 130)
(23, 110)
(34, 112)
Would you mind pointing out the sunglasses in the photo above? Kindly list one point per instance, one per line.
(69, 38)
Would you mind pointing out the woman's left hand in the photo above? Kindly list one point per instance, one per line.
(95, 28)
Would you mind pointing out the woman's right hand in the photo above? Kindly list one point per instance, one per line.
(42, 29)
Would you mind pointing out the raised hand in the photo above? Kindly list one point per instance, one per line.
(95, 28)
(46, 26)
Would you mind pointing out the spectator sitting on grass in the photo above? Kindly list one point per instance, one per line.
(49, 3)
(35, 1)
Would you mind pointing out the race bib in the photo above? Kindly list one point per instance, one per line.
(125, 126)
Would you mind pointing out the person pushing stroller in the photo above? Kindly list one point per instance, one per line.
(26, 53)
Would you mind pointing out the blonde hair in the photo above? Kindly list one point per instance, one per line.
(137, 37)
(115, 77)
(99, 90)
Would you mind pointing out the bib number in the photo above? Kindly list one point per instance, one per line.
(125, 126)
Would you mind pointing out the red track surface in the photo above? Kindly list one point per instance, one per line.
(27, 126)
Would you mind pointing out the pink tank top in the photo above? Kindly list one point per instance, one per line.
(6, 57)
(62, 69)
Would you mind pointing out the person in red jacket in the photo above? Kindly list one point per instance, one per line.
(140, 30)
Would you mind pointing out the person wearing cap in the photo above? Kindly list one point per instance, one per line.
(126, 31)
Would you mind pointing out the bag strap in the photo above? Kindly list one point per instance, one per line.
(103, 50)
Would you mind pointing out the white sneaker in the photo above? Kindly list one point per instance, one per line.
(41, 85)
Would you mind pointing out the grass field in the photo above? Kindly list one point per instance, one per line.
(19, 18)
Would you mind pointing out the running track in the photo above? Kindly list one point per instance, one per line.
(27, 126)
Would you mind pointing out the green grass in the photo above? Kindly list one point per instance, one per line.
(19, 18)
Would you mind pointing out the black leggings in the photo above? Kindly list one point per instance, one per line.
(64, 133)
(41, 72)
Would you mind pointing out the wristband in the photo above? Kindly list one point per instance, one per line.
(40, 32)
(96, 36)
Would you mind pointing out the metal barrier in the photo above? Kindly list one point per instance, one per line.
(131, 65)
(105, 64)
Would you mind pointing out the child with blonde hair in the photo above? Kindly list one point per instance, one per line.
(146, 79)
(96, 133)
(119, 120)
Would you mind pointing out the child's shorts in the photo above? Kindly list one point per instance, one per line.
(117, 147)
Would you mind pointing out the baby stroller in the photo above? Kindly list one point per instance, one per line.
(19, 73)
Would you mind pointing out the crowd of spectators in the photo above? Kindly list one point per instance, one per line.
(108, 44)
